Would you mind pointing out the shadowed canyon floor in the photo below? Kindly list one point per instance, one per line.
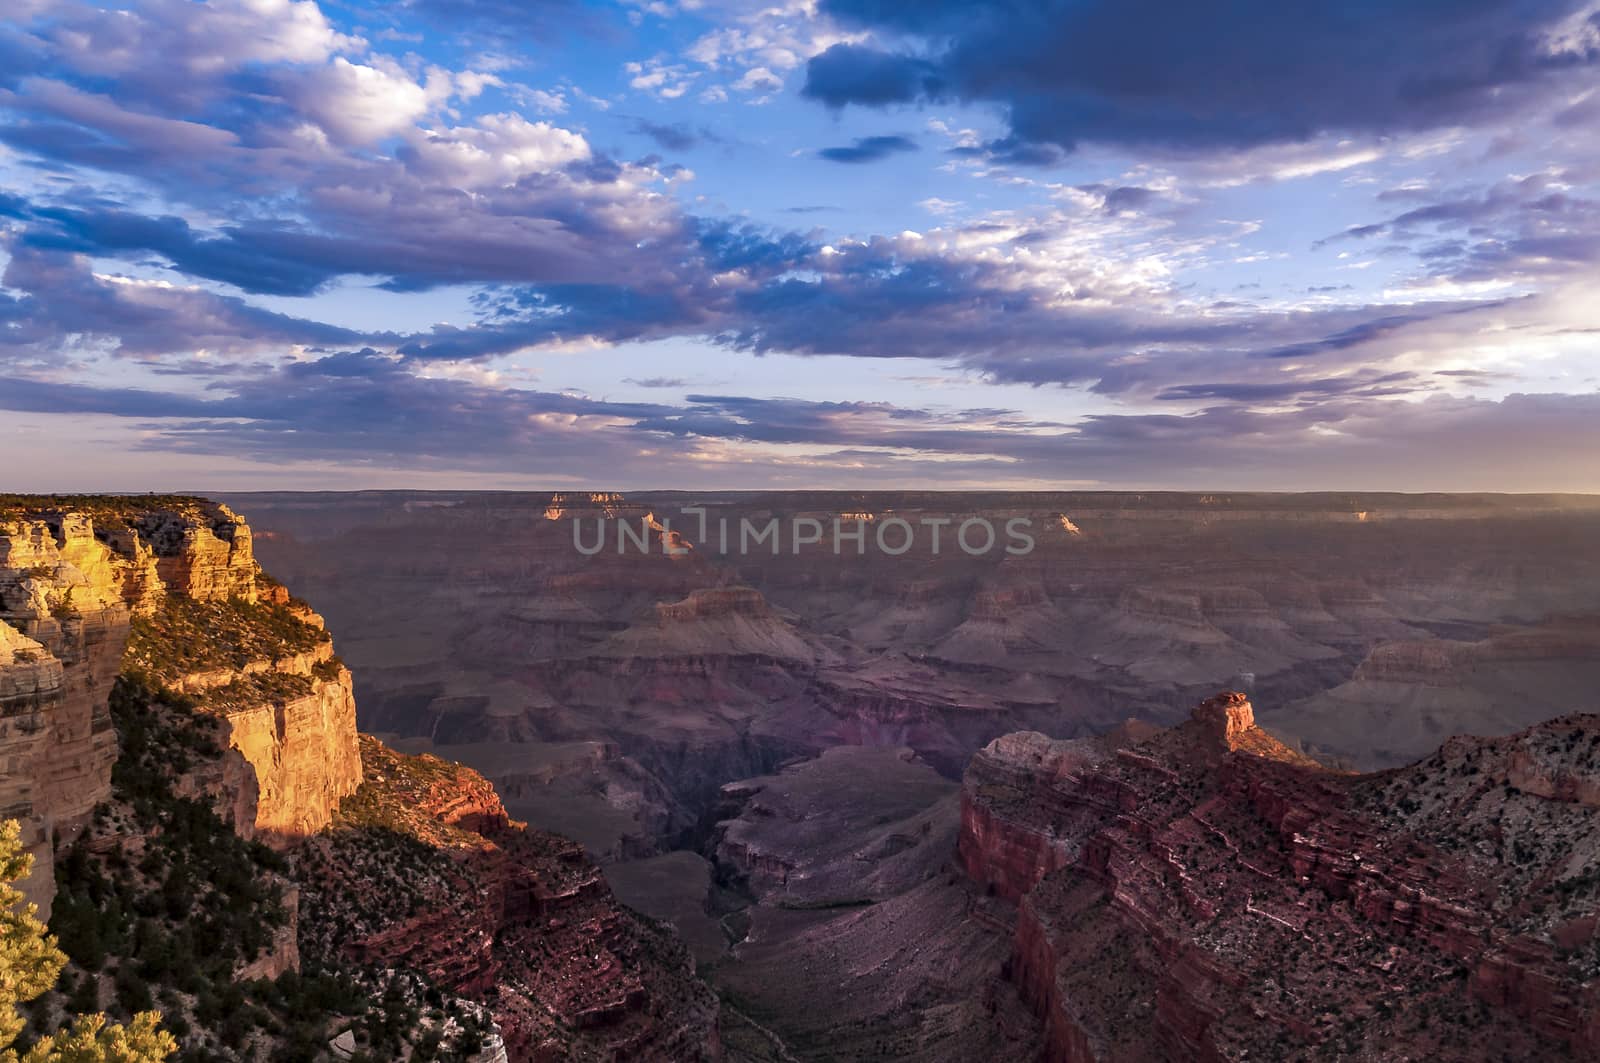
(763, 746)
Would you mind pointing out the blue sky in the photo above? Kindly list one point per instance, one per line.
(834, 243)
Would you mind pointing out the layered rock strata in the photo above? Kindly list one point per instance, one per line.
(1208, 893)
(424, 870)
(77, 579)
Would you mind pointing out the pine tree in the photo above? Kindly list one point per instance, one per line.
(30, 963)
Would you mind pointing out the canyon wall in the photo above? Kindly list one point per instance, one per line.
(63, 624)
(87, 589)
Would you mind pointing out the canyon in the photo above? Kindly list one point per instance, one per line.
(792, 752)
(682, 800)
(1237, 900)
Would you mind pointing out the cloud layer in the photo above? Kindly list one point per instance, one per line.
(1131, 242)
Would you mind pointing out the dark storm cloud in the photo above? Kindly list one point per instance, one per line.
(878, 301)
(25, 395)
(526, 317)
(1354, 336)
(1179, 74)
(849, 73)
(254, 260)
(728, 245)
(386, 223)
(869, 149)
(1129, 197)
(515, 317)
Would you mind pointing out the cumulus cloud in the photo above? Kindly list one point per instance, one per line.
(356, 103)
(497, 150)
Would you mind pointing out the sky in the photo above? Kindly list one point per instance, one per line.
(1031, 244)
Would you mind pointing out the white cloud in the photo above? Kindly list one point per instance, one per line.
(499, 150)
(758, 79)
(539, 100)
(358, 104)
(202, 40)
(661, 79)
(767, 44)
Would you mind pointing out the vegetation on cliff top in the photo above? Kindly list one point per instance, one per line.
(184, 636)
(175, 914)
(396, 790)
(112, 509)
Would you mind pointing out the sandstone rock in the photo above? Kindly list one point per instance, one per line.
(343, 1046)
(206, 554)
(304, 756)
(68, 591)
(61, 602)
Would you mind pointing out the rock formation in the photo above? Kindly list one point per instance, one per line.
(1208, 893)
(491, 910)
(74, 580)
(63, 622)
(1408, 695)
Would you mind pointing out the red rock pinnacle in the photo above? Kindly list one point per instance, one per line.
(1228, 715)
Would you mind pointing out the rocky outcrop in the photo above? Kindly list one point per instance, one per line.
(851, 826)
(493, 911)
(205, 553)
(1408, 695)
(75, 579)
(715, 622)
(1208, 893)
(304, 757)
(30, 697)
